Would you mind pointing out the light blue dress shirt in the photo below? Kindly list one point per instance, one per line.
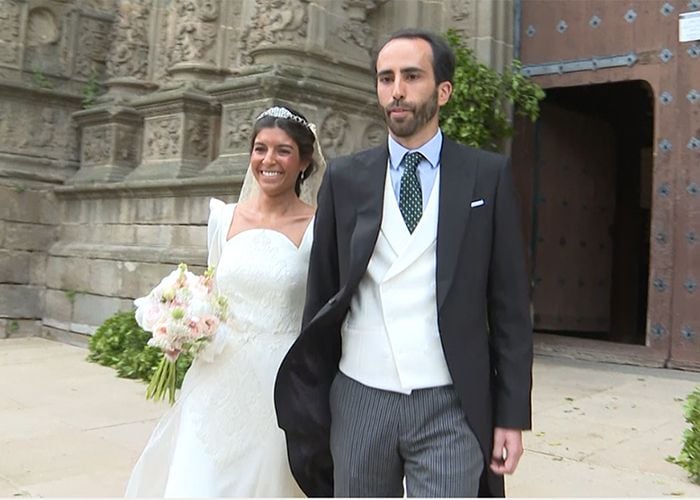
(427, 169)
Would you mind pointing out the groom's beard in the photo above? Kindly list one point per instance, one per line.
(422, 113)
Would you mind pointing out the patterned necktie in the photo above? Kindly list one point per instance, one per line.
(410, 196)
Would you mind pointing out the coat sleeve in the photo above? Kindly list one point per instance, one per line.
(323, 278)
(303, 381)
(510, 329)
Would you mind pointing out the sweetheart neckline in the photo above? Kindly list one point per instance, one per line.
(275, 231)
(283, 235)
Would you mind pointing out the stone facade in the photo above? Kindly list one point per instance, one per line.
(102, 194)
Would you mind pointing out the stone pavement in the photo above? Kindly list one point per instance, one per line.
(72, 428)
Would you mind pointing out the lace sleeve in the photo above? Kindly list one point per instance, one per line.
(214, 228)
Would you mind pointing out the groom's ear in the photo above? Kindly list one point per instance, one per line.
(444, 92)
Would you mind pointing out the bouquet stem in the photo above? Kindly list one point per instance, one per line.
(163, 381)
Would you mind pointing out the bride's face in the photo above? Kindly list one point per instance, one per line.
(275, 161)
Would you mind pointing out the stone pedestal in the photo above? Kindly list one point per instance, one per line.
(111, 139)
(178, 131)
(38, 144)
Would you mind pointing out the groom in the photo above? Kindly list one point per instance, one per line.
(415, 355)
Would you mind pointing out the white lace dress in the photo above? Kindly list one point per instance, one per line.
(221, 436)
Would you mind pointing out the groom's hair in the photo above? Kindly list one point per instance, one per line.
(443, 55)
(299, 133)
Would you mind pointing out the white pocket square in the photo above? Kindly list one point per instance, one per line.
(477, 203)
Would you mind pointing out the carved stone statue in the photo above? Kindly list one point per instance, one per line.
(195, 30)
(128, 56)
(273, 22)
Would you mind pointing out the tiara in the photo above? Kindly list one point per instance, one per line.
(280, 112)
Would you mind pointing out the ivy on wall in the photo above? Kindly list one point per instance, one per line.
(478, 113)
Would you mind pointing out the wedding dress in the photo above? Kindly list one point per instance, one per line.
(221, 436)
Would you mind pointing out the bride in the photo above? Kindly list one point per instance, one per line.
(221, 438)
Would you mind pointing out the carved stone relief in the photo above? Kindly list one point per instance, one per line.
(9, 137)
(187, 32)
(162, 48)
(374, 135)
(100, 5)
(71, 139)
(96, 145)
(48, 42)
(356, 30)
(233, 33)
(65, 48)
(274, 22)
(162, 137)
(41, 131)
(9, 31)
(42, 27)
(111, 144)
(195, 30)
(334, 134)
(352, 35)
(458, 10)
(238, 127)
(357, 33)
(458, 13)
(47, 125)
(128, 56)
(198, 132)
(126, 146)
(93, 46)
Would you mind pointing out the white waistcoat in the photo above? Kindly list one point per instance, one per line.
(390, 336)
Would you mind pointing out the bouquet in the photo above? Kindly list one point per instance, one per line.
(182, 313)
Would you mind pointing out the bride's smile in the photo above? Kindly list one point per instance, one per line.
(276, 161)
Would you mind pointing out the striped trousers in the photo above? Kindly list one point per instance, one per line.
(379, 437)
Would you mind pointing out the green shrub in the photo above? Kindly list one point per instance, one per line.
(689, 457)
(123, 345)
(478, 113)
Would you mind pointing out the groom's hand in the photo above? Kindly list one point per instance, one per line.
(507, 450)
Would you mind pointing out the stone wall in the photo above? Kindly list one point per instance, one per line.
(100, 201)
(27, 229)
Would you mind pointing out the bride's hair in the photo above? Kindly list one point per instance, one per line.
(297, 127)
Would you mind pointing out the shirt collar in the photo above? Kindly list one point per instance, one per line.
(430, 150)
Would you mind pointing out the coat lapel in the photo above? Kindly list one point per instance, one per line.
(368, 200)
(457, 181)
(422, 238)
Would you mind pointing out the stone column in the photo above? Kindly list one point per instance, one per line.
(493, 37)
(110, 129)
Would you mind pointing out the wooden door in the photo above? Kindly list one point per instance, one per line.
(573, 213)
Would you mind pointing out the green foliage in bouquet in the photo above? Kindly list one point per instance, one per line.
(478, 113)
(689, 457)
(123, 345)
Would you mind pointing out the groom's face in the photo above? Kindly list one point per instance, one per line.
(406, 88)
